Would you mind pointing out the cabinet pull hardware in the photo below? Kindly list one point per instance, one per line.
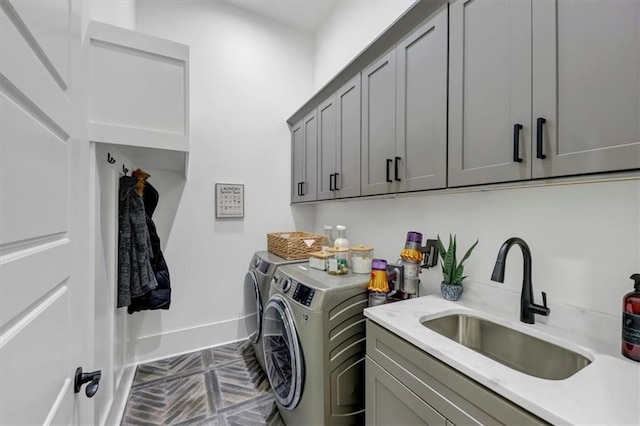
(331, 176)
(302, 188)
(539, 130)
(335, 181)
(395, 172)
(388, 164)
(299, 191)
(516, 143)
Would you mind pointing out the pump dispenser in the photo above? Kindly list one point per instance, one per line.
(631, 321)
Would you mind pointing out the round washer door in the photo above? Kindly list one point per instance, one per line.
(252, 300)
(282, 353)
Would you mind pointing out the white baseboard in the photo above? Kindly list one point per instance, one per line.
(121, 397)
(163, 345)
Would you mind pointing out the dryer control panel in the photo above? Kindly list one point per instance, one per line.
(303, 294)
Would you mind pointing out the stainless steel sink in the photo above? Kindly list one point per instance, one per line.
(519, 351)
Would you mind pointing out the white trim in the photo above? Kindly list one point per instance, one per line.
(121, 396)
(171, 343)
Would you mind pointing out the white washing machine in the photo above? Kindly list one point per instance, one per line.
(314, 345)
(257, 281)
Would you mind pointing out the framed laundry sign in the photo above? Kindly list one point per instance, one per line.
(229, 200)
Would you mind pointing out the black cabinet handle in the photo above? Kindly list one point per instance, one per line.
(302, 188)
(298, 189)
(388, 164)
(331, 184)
(516, 143)
(539, 130)
(396, 168)
(335, 181)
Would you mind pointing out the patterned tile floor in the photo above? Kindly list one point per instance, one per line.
(221, 386)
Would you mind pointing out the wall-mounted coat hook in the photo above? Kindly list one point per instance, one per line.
(110, 159)
(124, 169)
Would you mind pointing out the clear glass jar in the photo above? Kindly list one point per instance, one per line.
(361, 257)
(338, 265)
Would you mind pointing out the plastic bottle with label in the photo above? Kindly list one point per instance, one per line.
(327, 241)
(631, 321)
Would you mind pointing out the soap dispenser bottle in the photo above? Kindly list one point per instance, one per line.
(631, 321)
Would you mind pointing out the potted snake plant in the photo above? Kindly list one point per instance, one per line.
(452, 271)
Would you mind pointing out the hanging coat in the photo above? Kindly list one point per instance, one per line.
(135, 274)
(160, 297)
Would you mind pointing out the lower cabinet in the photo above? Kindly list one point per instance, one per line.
(389, 402)
(406, 386)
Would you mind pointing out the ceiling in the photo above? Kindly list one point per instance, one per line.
(305, 15)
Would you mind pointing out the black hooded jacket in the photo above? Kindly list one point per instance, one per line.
(159, 297)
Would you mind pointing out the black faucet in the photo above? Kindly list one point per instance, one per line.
(528, 308)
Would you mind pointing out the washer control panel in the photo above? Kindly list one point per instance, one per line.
(303, 294)
(285, 284)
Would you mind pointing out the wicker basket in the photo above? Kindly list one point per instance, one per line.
(294, 245)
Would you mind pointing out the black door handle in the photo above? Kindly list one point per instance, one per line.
(539, 130)
(298, 189)
(516, 143)
(302, 189)
(331, 180)
(395, 171)
(388, 164)
(92, 378)
(335, 181)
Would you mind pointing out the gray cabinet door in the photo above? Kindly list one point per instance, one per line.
(379, 125)
(347, 179)
(327, 148)
(389, 402)
(421, 107)
(586, 85)
(297, 161)
(489, 91)
(304, 141)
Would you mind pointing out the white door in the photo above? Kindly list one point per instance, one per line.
(44, 290)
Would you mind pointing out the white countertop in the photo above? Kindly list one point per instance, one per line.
(607, 391)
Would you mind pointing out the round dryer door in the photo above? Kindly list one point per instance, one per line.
(253, 306)
(282, 353)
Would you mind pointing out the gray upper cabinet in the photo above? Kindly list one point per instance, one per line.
(339, 143)
(327, 148)
(489, 91)
(404, 113)
(304, 158)
(586, 86)
(379, 125)
(421, 106)
(542, 89)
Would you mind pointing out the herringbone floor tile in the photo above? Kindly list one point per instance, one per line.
(221, 386)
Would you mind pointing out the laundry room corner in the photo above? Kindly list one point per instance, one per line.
(247, 73)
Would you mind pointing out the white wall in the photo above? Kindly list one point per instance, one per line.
(247, 74)
(583, 237)
(121, 13)
(351, 26)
